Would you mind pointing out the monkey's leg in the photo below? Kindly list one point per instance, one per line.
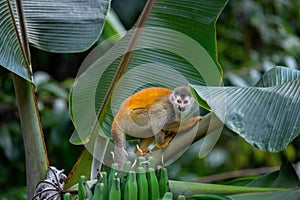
(163, 140)
(144, 143)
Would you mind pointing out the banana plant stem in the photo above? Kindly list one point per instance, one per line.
(34, 145)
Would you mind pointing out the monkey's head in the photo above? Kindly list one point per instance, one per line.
(181, 99)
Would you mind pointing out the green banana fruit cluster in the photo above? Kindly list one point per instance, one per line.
(135, 182)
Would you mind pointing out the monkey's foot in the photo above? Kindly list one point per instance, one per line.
(161, 146)
(142, 152)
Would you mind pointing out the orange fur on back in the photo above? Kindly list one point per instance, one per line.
(147, 97)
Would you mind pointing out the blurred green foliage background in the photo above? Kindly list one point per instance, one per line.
(253, 36)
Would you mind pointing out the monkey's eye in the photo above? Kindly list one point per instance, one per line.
(185, 101)
(179, 101)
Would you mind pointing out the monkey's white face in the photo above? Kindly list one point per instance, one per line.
(181, 104)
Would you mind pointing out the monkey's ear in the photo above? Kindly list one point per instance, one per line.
(172, 98)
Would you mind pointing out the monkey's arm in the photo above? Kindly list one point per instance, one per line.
(173, 127)
(166, 135)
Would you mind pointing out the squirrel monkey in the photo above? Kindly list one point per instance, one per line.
(151, 114)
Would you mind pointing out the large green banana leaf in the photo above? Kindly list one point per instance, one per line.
(267, 115)
(64, 26)
(12, 56)
(56, 26)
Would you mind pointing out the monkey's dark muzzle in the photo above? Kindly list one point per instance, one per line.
(181, 109)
